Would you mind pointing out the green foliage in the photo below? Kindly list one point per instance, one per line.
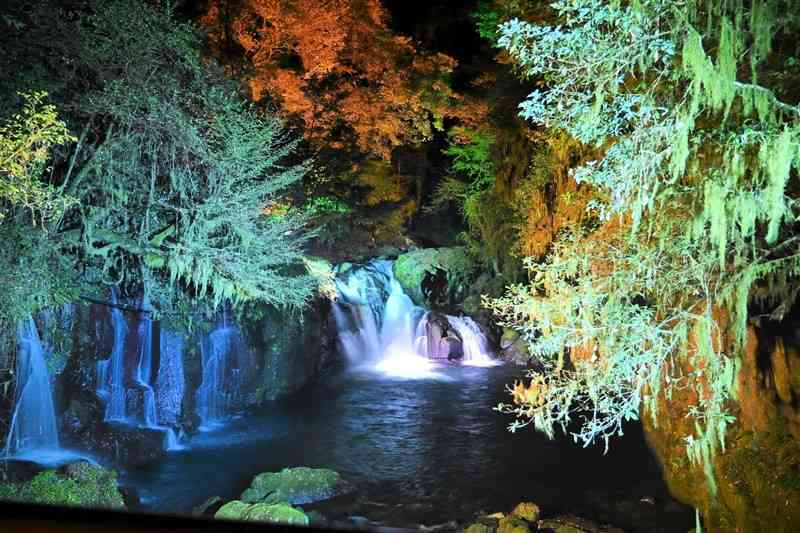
(487, 21)
(700, 162)
(26, 140)
(83, 485)
(175, 192)
(473, 176)
(325, 205)
(34, 271)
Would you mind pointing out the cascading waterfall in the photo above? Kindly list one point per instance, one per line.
(381, 328)
(133, 403)
(221, 353)
(33, 422)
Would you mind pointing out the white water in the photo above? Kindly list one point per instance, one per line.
(381, 329)
(111, 371)
(111, 384)
(33, 430)
(221, 352)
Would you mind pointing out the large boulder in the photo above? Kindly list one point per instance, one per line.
(125, 445)
(81, 484)
(296, 486)
(435, 277)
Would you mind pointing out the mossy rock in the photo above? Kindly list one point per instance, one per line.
(276, 513)
(79, 484)
(513, 524)
(411, 269)
(232, 510)
(296, 486)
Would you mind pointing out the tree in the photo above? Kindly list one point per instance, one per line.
(33, 271)
(336, 66)
(175, 172)
(699, 137)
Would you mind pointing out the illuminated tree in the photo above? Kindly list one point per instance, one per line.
(336, 66)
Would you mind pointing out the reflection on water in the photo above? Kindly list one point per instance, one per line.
(432, 450)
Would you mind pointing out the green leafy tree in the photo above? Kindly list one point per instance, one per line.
(176, 190)
(34, 273)
(700, 137)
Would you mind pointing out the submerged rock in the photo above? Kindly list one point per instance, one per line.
(296, 486)
(81, 484)
(276, 513)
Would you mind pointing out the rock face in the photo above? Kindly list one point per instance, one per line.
(294, 352)
(272, 357)
(442, 341)
(758, 474)
(297, 486)
(82, 484)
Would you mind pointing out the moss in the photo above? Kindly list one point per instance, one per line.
(232, 510)
(411, 268)
(295, 485)
(81, 484)
(278, 513)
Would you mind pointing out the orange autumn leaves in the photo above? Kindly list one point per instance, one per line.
(337, 66)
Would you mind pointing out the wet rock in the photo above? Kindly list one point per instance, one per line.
(527, 511)
(298, 485)
(125, 445)
(130, 497)
(14, 471)
(208, 507)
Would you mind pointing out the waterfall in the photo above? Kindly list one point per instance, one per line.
(222, 358)
(144, 367)
(473, 342)
(380, 327)
(111, 371)
(33, 422)
(134, 401)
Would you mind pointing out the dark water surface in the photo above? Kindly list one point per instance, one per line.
(420, 452)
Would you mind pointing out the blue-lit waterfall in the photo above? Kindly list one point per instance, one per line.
(33, 430)
(129, 394)
(222, 354)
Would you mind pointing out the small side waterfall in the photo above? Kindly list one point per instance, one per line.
(33, 422)
(222, 356)
(381, 328)
(111, 371)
